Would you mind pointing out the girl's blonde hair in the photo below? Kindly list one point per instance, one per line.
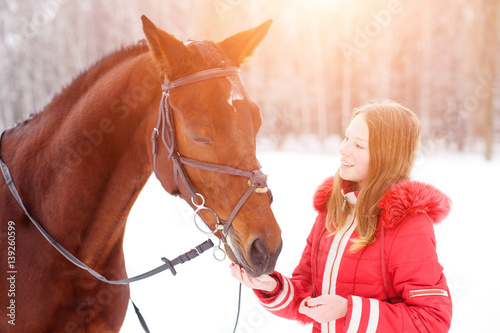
(393, 141)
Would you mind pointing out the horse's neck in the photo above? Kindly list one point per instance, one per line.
(80, 173)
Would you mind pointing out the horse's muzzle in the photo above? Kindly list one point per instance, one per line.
(258, 258)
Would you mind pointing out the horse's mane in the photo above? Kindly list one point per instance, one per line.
(88, 77)
(71, 92)
(210, 55)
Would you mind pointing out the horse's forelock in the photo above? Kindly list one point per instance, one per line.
(207, 54)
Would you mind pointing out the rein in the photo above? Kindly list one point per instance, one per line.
(168, 264)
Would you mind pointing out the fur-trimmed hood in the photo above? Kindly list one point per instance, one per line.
(401, 201)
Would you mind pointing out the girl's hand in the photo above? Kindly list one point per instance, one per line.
(324, 308)
(263, 282)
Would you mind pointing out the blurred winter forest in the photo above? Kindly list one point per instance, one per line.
(321, 58)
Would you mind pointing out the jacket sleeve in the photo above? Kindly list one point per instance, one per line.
(417, 278)
(285, 300)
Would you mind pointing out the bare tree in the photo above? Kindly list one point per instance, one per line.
(319, 60)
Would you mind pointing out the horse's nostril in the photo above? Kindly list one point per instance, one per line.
(260, 259)
(258, 251)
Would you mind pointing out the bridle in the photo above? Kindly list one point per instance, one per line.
(165, 126)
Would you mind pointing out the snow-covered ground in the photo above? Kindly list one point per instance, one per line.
(203, 296)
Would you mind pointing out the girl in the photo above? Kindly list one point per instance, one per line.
(370, 263)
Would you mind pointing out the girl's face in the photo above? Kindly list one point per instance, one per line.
(355, 156)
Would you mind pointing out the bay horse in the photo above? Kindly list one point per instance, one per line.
(80, 163)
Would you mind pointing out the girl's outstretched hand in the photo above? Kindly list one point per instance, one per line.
(263, 282)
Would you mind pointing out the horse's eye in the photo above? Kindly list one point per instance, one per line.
(201, 140)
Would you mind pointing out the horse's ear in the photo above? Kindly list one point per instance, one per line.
(166, 49)
(242, 45)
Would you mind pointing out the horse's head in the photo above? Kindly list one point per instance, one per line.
(216, 123)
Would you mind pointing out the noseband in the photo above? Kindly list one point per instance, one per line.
(257, 180)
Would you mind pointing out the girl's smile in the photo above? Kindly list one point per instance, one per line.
(355, 155)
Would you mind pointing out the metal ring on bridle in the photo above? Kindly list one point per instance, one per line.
(219, 249)
(202, 205)
(218, 225)
(222, 255)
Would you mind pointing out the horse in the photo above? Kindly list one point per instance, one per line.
(80, 163)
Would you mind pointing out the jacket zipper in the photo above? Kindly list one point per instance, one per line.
(336, 257)
(345, 199)
(428, 292)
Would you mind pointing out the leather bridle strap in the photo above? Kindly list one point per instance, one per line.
(200, 76)
(256, 178)
(215, 167)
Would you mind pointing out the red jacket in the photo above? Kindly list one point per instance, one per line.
(414, 281)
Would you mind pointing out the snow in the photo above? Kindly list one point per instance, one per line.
(203, 296)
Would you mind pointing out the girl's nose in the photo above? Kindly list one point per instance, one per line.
(344, 149)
